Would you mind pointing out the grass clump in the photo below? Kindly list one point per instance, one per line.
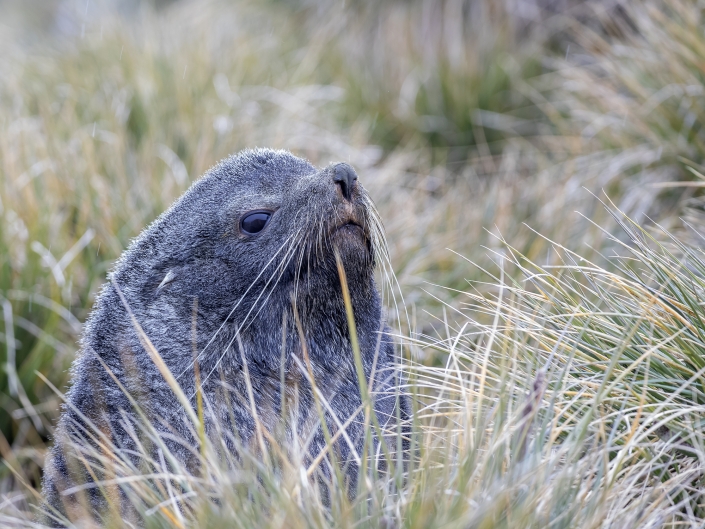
(558, 388)
(577, 403)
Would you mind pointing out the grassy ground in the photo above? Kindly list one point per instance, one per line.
(556, 385)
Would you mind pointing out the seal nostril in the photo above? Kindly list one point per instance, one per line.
(346, 178)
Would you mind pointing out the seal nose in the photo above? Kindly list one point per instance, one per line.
(345, 177)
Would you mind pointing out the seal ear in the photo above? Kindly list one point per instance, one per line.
(168, 278)
(157, 281)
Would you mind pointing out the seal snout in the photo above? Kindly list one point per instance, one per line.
(346, 179)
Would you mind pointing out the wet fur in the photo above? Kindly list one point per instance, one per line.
(245, 288)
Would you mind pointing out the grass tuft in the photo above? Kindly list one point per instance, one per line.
(557, 378)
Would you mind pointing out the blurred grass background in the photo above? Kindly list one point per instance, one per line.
(471, 122)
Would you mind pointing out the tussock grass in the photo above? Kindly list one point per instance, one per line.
(595, 385)
(579, 404)
(555, 386)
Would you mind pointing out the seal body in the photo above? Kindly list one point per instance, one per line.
(237, 286)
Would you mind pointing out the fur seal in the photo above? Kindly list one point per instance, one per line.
(240, 273)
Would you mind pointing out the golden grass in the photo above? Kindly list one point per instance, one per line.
(543, 401)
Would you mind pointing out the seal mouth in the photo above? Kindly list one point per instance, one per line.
(349, 219)
(351, 232)
(351, 227)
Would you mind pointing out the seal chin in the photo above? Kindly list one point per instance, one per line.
(352, 241)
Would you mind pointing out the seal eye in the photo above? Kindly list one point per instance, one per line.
(255, 222)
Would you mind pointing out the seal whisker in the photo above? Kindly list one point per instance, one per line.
(280, 270)
(381, 252)
(190, 367)
(297, 277)
(280, 266)
(302, 249)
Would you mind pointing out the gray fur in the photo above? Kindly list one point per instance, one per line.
(195, 250)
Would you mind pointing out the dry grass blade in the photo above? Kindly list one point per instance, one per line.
(555, 385)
